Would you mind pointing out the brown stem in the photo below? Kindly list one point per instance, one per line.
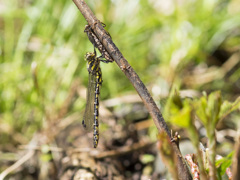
(134, 79)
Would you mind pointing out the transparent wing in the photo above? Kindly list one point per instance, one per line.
(88, 118)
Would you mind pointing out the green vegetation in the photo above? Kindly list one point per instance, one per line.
(173, 45)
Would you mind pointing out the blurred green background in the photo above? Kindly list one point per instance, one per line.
(42, 46)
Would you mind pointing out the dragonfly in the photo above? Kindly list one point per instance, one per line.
(90, 119)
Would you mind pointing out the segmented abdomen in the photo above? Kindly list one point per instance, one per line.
(96, 108)
(92, 110)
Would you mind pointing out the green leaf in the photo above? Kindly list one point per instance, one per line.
(228, 107)
(178, 111)
(182, 117)
(208, 109)
(200, 110)
(214, 105)
(224, 163)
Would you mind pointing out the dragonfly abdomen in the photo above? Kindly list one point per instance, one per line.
(96, 107)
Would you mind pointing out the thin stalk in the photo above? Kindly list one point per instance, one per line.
(212, 155)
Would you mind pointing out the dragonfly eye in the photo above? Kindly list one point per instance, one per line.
(90, 56)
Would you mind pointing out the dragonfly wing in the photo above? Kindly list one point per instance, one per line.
(88, 118)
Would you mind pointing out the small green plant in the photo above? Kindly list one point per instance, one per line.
(209, 110)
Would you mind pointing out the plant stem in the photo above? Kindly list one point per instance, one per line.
(212, 155)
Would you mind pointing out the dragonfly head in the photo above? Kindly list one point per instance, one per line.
(90, 56)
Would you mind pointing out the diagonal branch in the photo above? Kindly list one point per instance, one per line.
(134, 79)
